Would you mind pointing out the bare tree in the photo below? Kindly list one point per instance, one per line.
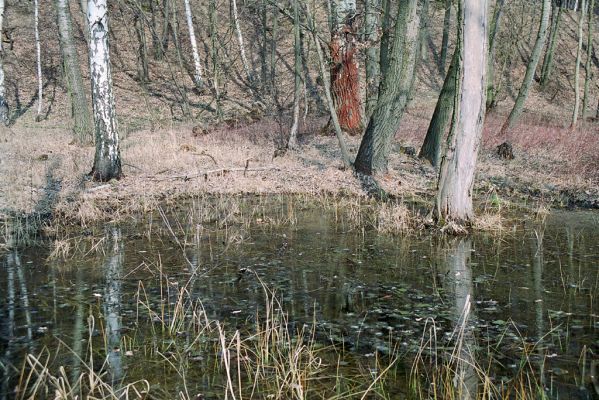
(587, 66)
(244, 59)
(372, 54)
(394, 91)
(82, 128)
(530, 68)
(38, 54)
(547, 66)
(576, 110)
(491, 89)
(456, 176)
(107, 160)
(197, 77)
(292, 143)
(4, 118)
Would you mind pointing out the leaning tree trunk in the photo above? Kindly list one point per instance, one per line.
(107, 160)
(4, 119)
(372, 56)
(292, 143)
(575, 113)
(530, 69)
(197, 77)
(345, 74)
(38, 54)
(394, 92)
(431, 148)
(82, 127)
(491, 89)
(587, 67)
(445, 38)
(456, 177)
(548, 59)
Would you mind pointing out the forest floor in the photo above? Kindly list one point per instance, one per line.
(43, 175)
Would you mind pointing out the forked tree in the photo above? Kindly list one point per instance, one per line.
(456, 176)
(345, 81)
(3, 103)
(107, 159)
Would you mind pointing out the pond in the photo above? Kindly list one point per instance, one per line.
(261, 297)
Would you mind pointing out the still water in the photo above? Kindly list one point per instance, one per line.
(523, 299)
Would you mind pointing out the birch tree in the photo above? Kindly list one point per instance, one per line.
(244, 59)
(38, 54)
(394, 91)
(107, 160)
(197, 77)
(82, 127)
(456, 176)
(530, 68)
(4, 119)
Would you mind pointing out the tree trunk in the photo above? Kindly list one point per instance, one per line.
(394, 92)
(273, 52)
(143, 74)
(197, 77)
(4, 117)
(530, 69)
(38, 54)
(292, 143)
(548, 59)
(491, 89)
(184, 103)
(456, 177)
(445, 39)
(575, 113)
(213, 21)
(82, 127)
(587, 67)
(344, 67)
(83, 6)
(107, 160)
(244, 59)
(372, 56)
(424, 21)
(431, 148)
(167, 28)
(385, 37)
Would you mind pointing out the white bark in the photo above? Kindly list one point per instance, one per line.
(244, 60)
(107, 162)
(3, 104)
(456, 178)
(38, 53)
(194, 46)
(112, 306)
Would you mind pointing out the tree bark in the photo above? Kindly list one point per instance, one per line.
(445, 39)
(424, 21)
(107, 160)
(344, 67)
(372, 55)
(394, 92)
(547, 66)
(197, 77)
(213, 21)
(431, 148)
(530, 69)
(576, 110)
(456, 177)
(491, 89)
(244, 59)
(587, 67)
(82, 127)
(4, 117)
(38, 54)
(143, 74)
(292, 143)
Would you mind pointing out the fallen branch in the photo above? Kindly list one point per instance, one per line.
(221, 171)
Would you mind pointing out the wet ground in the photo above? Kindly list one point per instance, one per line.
(530, 294)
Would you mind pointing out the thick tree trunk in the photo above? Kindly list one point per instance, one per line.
(548, 59)
(456, 177)
(38, 54)
(4, 117)
(292, 143)
(445, 38)
(431, 148)
(491, 89)
(385, 38)
(530, 68)
(197, 77)
(576, 111)
(344, 67)
(107, 160)
(82, 127)
(372, 55)
(394, 92)
(244, 59)
(587, 67)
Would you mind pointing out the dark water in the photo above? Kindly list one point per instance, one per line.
(533, 293)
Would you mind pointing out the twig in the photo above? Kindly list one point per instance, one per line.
(203, 153)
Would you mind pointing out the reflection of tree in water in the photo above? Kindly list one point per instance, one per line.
(113, 267)
(537, 278)
(458, 287)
